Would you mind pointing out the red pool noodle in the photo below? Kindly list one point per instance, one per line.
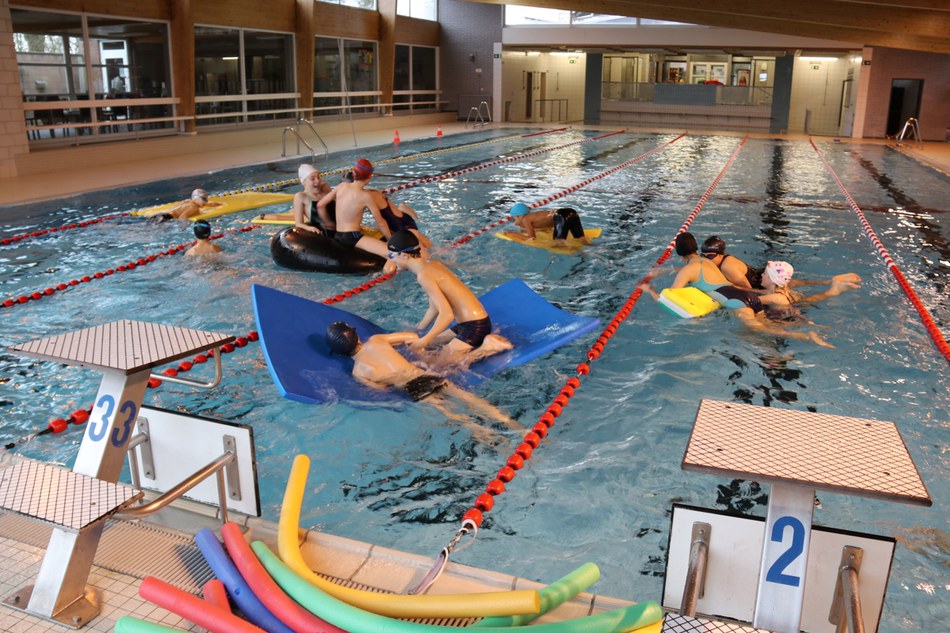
(193, 608)
(266, 589)
(214, 592)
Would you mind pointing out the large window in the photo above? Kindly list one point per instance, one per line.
(125, 62)
(525, 16)
(344, 74)
(415, 82)
(243, 75)
(359, 4)
(422, 9)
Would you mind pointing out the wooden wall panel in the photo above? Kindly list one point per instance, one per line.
(417, 32)
(147, 9)
(332, 20)
(269, 15)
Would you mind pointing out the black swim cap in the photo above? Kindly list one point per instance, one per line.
(404, 242)
(685, 244)
(714, 244)
(342, 338)
(202, 230)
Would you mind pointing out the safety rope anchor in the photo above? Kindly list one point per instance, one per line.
(443, 558)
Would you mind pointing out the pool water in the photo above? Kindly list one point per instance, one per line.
(601, 485)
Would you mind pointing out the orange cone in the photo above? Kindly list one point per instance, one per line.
(396, 137)
(439, 132)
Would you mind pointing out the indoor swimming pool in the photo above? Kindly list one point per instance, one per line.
(601, 485)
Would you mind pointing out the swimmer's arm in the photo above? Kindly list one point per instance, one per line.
(646, 287)
(427, 318)
(734, 277)
(405, 208)
(683, 278)
(439, 304)
(322, 209)
(836, 288)
(399, 338)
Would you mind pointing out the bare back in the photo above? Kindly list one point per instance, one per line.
(465, 305)
(378, 362)
(351, 200)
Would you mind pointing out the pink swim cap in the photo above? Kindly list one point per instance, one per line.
(779, 272)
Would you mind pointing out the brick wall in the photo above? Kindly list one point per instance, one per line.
(888, 64)
(468, 28)
(13, 141)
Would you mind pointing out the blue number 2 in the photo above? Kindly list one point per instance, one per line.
(776, 571)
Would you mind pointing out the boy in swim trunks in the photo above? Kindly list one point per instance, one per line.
(351, 200)
(563, 222)
(449, 300)
(377, 363)
(203, 245)
(745, 304)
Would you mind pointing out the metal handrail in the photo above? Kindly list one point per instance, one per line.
(296, 133)
(696, 572)
(216, 467)
(326, 150)
(487, 110)
(846, 605)
(478, 117)
(197, 383)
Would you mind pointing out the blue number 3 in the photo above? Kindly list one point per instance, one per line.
(776, 571)
(98, 429)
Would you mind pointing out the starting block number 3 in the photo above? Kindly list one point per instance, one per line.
(101, 421)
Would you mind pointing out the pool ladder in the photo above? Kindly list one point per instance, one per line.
(295, 130)
(911, 131)
(475, 115)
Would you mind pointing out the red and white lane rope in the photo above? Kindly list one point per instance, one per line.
(473, 518)
(13, 239)
(935, 334)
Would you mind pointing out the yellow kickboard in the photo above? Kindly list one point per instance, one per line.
(228, 204)
(543, 239)
(687, 302)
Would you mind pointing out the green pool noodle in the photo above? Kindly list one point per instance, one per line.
(554, 595)
(128, 624)
(356, 620)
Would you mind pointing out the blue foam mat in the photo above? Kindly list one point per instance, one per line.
(292, 328)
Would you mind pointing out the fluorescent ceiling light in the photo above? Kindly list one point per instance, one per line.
(227, 59)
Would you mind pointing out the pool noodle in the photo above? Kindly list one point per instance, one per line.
(554, 595)
(270, 593)
(215, 593)
(193, 608)
(250, 605)
(393, 605)
(351, 618)
(128, 624)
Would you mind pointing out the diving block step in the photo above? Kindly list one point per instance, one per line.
(59, 497)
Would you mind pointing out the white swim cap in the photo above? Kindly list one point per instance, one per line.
(779, 272)
(199, 194)
(304, 171)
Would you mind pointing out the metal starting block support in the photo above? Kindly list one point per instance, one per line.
(125, 351)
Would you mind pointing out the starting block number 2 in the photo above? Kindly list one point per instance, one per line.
(776, 571)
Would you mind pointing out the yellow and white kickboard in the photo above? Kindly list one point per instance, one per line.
(227, 204)
(544, 239)
(687, 302)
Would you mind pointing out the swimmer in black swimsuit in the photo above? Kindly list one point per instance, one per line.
(744, 276)
(562, 222)
(449, 300)
(377, 363)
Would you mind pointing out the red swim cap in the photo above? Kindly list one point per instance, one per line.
(363, 169)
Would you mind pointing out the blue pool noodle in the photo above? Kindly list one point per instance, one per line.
(222, 566)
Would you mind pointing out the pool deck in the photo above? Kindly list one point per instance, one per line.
(267, 147)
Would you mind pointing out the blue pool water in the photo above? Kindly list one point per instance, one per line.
(601, 485)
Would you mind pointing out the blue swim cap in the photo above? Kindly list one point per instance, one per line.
(519, 208)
